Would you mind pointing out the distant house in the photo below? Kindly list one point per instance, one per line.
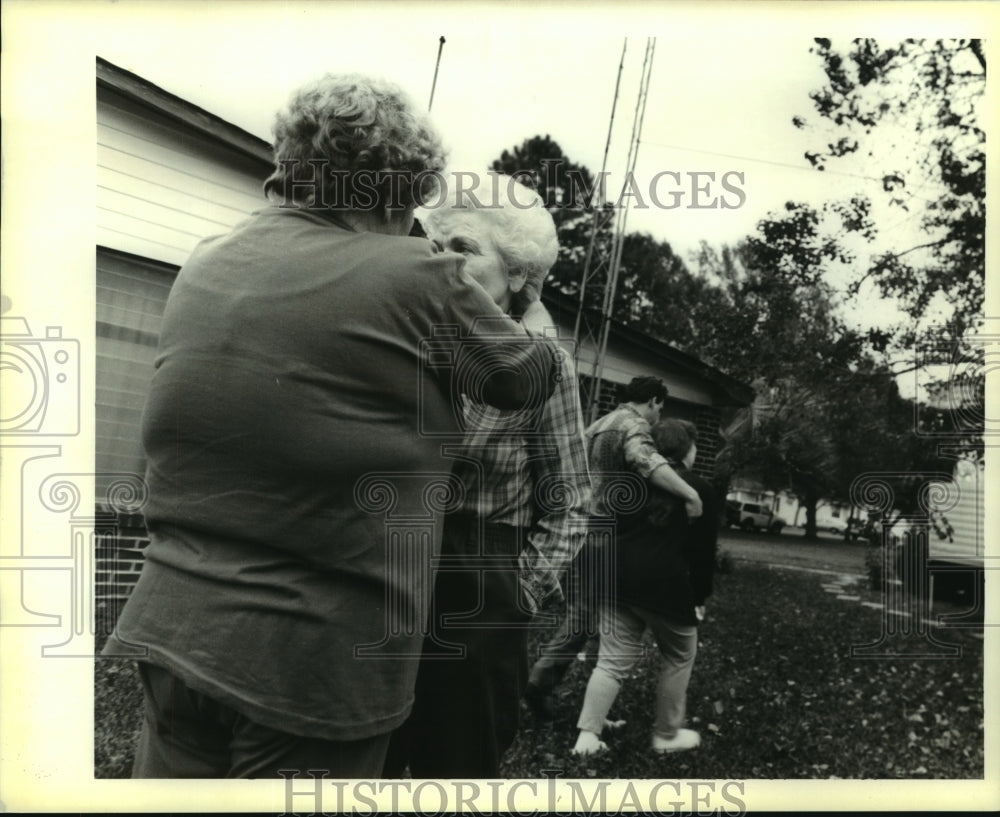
(957, 506)
(170, 174)
(958, 518)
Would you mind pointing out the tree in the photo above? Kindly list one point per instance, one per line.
(565, 187)
(778, 318)
(877, 431)
(912, 108)
(786, 446)
(780, 330)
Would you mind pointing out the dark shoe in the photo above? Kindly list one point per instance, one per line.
(539, 702)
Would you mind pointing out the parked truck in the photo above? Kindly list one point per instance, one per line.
(751, 516)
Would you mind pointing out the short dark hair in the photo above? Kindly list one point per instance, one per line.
(674, 438)
(644, 389)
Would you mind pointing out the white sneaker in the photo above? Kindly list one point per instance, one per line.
(589, 744)
(684, 739)
(612, 725)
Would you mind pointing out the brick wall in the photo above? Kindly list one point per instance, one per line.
(608, 399)
(121, 549)
(708, 422)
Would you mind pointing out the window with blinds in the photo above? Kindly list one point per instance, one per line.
(131, 295)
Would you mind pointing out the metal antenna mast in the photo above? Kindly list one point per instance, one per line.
(602, 216)
(437, 65)
(614, 255)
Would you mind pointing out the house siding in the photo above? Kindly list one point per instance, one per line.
(961, 522)
(161, 190)
(131, 295)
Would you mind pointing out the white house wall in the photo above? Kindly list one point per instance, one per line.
(160, 189)
(964, 515)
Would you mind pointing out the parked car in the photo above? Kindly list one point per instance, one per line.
(750, 516)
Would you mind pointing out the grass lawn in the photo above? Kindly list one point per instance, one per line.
(775, 694)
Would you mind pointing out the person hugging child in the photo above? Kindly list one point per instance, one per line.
(664, 569)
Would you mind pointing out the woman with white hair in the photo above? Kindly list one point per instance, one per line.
(288, 373)
(522, 518)
(509, 243)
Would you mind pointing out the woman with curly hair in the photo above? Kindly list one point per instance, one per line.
(288, 421)
(355, 146)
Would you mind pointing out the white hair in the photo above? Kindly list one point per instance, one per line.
(520, 226)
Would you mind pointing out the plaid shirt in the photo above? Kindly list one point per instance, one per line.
(619, 442)
(529, 470)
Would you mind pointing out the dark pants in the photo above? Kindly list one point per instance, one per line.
(188, 734)
(467, 708)
(588, 581)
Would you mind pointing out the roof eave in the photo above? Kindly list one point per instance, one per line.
(733, 391)
(148, 95)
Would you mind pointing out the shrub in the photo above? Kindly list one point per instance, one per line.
(874, 566)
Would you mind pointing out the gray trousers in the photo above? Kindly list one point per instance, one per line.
(622, 628)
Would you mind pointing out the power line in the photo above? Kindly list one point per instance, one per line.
(783, 164)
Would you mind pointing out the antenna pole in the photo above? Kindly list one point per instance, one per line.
(597, 202)
(437, 65)
(618, 238)
(600, 218)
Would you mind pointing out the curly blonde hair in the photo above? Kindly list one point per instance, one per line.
(362, 141)
(520, 226)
